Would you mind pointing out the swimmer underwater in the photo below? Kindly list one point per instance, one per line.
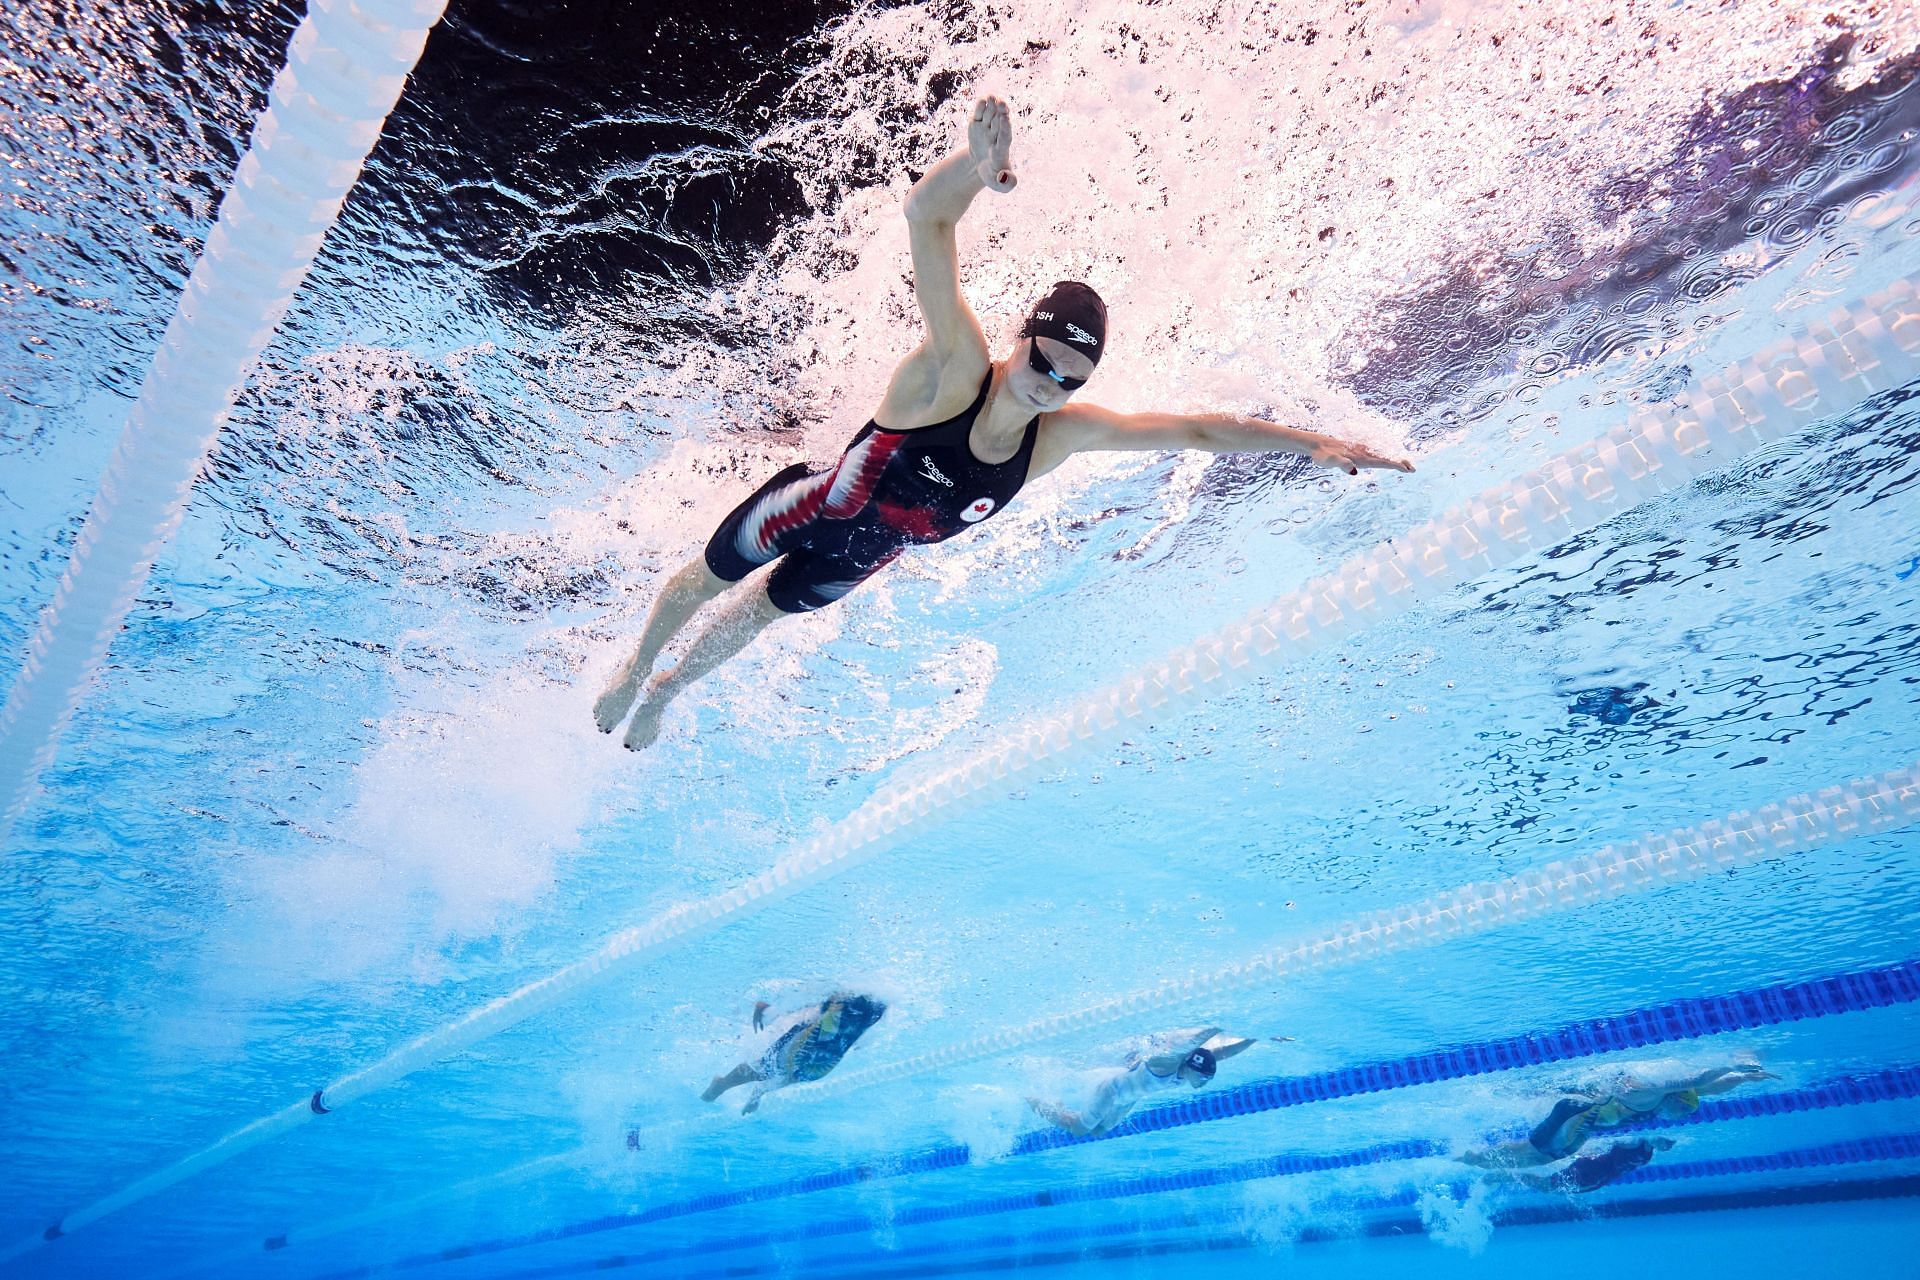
(956, 436)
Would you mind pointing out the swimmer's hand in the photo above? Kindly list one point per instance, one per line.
(989, 138)
(760, 1015)
(1350, 455)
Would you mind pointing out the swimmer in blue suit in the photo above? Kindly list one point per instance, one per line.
(956, 436)
(805, 1051)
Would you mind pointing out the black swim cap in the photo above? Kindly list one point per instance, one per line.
(1071, 313)
(1202, 1062)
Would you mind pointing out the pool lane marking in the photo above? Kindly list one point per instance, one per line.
(1843, 1191)
(346, 66)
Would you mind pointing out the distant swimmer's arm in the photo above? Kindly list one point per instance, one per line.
(1723, 1079)
(1083, 428)
(938, 201)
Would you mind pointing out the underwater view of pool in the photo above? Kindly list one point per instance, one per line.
(1213, 859)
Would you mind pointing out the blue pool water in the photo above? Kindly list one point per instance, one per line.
(337, 786)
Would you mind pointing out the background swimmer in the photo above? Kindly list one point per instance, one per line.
(806, 1051)
(1191, 1064)
(1632, 1097)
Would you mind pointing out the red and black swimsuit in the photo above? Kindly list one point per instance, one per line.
(889, 491)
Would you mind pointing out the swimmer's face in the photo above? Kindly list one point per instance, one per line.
(1193, 1078)
(1044, 390)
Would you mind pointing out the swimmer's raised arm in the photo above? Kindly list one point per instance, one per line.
(937, 202)
(1084, 428)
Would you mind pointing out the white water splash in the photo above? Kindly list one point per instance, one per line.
(1466, 1224)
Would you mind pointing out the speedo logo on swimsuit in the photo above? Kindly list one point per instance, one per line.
(1081, 335)
(932, 472)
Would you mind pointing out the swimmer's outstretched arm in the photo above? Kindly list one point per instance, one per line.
(1223, 1046)
(1085, 428)
(1514, 1154)
(1717, 1080)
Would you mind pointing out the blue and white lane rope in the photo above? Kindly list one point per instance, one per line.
(345, 68)
(1662, 1024)
(1827, 368)
(1791, 826)
(1351, 1217)
(1899, 1146)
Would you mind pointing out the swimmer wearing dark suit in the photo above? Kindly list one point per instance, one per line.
(988, 426)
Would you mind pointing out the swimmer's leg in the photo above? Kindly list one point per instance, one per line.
(1062, 1117)
(745, 1073)
(694, 585)
(732, 629)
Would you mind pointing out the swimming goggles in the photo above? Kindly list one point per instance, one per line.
(1037, 360)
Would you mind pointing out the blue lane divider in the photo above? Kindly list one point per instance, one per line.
(1892, 1147)
(1639, 1028)
(1903, 1082)
(1853, 1190)
(1896, 1146)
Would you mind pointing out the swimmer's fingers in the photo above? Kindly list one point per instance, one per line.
(1372, 459)
(1334, 457)
(1351, 456)
(989, 142)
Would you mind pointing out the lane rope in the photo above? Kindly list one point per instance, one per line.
(1794, 825)
(345, 68)
(1889, 1147)
(1676, 1020)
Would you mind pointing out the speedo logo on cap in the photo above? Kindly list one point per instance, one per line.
(1081, 335)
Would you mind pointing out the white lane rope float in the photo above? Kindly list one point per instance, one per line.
(1794, 825)
(345, 68)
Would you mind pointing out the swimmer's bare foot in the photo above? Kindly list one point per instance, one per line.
(646, 725)
(611, 707)
(989, 141)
